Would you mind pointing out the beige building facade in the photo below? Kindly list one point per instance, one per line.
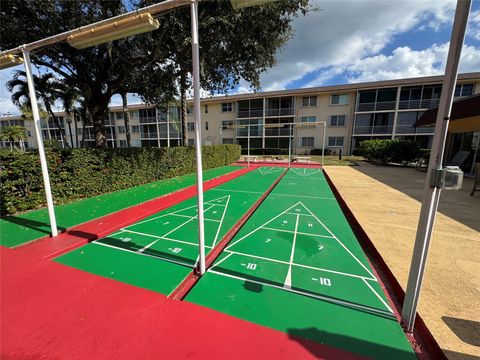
(273, 121)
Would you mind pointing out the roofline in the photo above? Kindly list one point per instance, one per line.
(427, 80)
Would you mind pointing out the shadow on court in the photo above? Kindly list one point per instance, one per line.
(160, 255)
(340, 341)
(39, 226)
(255, 287)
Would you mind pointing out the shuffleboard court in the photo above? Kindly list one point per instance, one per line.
(20, 229)
(297, 266)
(158, 252)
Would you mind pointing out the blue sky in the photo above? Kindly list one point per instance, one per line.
(355, 41)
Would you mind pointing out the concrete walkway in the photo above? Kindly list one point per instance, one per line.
(386, 202)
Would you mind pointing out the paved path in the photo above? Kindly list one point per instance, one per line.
(386, 202)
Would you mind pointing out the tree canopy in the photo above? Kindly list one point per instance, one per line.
(233, 45)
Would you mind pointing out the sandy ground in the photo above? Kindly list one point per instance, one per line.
(386, 201)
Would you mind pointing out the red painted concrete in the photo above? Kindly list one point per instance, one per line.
(50, 311)
(80, 235)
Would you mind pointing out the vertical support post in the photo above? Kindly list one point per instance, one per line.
(41, 148)
(198, 137)
(289, 144)
(248, 144)
(168, 125)
(431, 195)
(324, 137)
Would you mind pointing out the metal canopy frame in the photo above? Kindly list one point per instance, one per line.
(431, 194)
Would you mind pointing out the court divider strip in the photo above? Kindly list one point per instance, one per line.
(189, 282)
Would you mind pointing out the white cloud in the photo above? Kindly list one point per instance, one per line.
(473, 30)
(344, 31)
(402, 63)
(6, 106)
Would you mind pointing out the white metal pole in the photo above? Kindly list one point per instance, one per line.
(41, 149)
(431, 194)
(248, 145)
(289, 144)
(324, 137)
(198, 137)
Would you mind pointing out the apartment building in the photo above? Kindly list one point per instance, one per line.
(351, 112)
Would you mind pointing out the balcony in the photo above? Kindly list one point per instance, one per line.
(279, 112)
(418, 104)
(148, 119)
(251, 113)
(376, 106)
(381, 129)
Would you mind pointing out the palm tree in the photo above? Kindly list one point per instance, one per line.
(14, 134)
(48, 89)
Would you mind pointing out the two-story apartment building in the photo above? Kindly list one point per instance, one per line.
(352, 113)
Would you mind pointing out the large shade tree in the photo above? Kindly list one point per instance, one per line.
(234, 45)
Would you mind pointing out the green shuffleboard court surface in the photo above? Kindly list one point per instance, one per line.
(296, 266)
(19, 229)
(158, 252)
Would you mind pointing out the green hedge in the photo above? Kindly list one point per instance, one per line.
(389, 151)
(80, 173)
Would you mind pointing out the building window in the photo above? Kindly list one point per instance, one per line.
(337, 120)
(206, 109)
(189, 110)
(191, 142)
(206, 125)
(227, 141)
(341, 99)
(227, 107)
(190, 126)
(135, 129)
(123, 143)
(121, 129)
(464, 90)
(307, 141)
(226, 124)
(308, 119)
(119, 115)
(335, 141)
(309, 101)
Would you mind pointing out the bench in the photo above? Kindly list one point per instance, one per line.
(250, 158)
(302, 158)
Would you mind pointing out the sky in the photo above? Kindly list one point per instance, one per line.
(356, 41)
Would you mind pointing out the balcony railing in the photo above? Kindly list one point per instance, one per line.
(382, 129)
(376, 106)
(249, 113)
(410, 129)
(148, 119)
(279, 112)
(418, 104)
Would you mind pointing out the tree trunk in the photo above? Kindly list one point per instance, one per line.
(84, 119)
(183, 105)
(126, 118)
(76, 127)
(57, 122)
(99, 129)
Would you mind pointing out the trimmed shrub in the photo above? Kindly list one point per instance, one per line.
(389, 151)
(81, 173)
